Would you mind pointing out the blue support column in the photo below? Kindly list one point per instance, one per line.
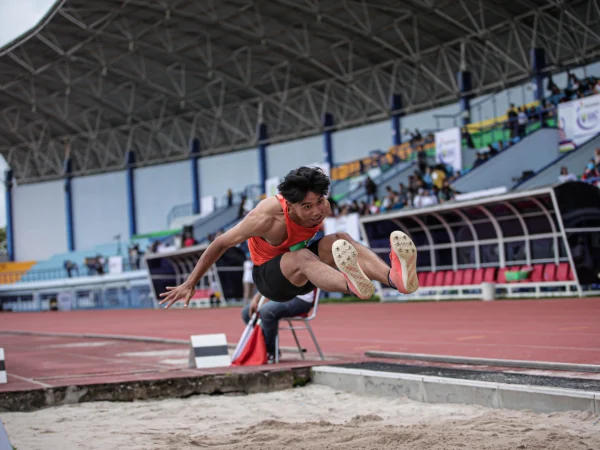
(538, 64)
(464, 86)
(395, 107)
(194, 157)
(129, 174)
(68, 169)
(262, 138)
(327, 142)
(8, 182)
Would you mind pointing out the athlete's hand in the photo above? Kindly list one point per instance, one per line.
(184, 291)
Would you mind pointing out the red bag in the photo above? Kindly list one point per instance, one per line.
(254, 351)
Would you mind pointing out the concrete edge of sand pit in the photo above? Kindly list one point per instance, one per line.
(180, 387)
(542, 365)
(120, 337)
(429, 389)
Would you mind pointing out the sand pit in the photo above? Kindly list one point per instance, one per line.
(314, 417)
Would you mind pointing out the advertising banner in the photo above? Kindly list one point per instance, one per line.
(579, 120)
(448, 148)
(344, 224)
(271, 186)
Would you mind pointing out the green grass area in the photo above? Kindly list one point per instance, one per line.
(349, 299)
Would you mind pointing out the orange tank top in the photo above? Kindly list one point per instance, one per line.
(298, 237)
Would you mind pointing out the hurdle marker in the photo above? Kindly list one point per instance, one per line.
(209, 350)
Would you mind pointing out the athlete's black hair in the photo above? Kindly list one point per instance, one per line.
(299, 182)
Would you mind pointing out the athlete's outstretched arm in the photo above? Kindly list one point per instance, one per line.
(256, 223)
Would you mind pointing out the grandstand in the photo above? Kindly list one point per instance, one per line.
(145, 133)
(137, 132)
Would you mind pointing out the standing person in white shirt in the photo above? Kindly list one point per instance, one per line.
(248, 281)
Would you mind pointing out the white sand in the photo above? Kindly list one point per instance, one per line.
(313, 417)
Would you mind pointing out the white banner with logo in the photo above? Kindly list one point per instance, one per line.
(207, 205)
(579, 120)
(271, 186)
(65, 300)
(115, 264)
(344, 224)
(448, 148)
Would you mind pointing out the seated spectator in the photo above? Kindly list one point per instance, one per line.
(438, 175)
(426, 198)
(392, 195)
(565, 175)
(272, 312)
(479, 159)
(364, 209)
(590, 173)
(597, 157)
(447, 193)
(402, 195)
(427, 178)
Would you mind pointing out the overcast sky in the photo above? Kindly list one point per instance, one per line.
(16, 17)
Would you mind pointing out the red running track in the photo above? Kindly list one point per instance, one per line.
(561, 330)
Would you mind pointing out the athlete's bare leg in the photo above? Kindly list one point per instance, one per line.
(403, 273)
(302, 266)
(370, 263)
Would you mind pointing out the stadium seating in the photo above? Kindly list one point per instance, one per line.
(549, 278)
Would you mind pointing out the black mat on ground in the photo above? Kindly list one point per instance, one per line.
(480, 375)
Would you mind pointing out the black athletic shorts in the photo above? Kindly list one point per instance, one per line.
(273, 284)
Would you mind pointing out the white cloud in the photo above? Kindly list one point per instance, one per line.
(18, 16)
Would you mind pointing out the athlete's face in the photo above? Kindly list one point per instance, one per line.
(312, 210)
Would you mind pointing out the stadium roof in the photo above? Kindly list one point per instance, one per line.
(107, 76)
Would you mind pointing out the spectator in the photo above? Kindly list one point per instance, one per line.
(242, 210)
(565, 175)
(70, 266)
(597, 157)
(370, 188)
(422, 160)
(447, 192)
(402, 195)
(229, 197)
(134, 256)
(590, 173)
(272, 312)
(427, 178)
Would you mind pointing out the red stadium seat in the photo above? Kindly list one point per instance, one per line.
(439, 278)
(537, 274)
(490, 275)
(459, 277)
(562, 272)
(468, 278)
(429, 280)
(478, 276)
(549, 272)
(422, 276)
(501, 278)
(449, 278)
